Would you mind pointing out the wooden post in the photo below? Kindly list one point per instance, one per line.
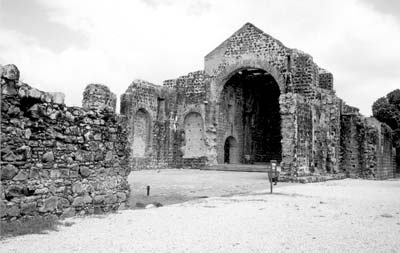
(148, 190)
(272, 172)
(270, 180)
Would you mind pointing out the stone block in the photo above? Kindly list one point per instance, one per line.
(21, 176)
(13, 211)
(49, 204)
(28, 208)
(48, 157)
(8, 172)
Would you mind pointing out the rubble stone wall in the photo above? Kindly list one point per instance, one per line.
(59, 160)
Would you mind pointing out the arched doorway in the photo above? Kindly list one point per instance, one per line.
(141, 133)
(230, 151)
(249, 109)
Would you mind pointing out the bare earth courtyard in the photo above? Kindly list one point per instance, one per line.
(177, 185)
(336, 216)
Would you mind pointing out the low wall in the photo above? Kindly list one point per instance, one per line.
(57, 159)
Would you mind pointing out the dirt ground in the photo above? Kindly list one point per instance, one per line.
(176, 185)
(336, 216)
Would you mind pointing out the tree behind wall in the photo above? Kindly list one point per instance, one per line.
(387, 110)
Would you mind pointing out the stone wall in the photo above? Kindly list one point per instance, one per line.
(366, 147)
(188, 97)
(56, 159)
(144, 105)
(326, 110)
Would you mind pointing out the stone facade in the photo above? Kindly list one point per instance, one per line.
(255, 101)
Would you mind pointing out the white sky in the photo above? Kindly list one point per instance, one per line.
(62, 45)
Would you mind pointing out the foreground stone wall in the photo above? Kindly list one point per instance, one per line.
(56, 159)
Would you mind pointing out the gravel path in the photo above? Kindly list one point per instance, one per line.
(336, 216)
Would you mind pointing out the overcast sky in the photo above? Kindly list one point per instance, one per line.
(62, 45)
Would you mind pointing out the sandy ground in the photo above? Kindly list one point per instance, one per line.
(336, 216)
(176, 185)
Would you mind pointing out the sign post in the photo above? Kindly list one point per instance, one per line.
(272, 173)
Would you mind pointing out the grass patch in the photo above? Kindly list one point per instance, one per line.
(31, 225)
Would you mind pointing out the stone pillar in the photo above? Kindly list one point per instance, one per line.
(99, 97)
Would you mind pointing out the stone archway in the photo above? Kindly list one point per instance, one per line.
(248, 108)
(141, 133)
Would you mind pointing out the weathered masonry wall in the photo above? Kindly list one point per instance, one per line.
(366, 147)
(144, 106)
(188, 115)
(56, 159)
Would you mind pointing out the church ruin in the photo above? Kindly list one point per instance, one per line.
(255, 101)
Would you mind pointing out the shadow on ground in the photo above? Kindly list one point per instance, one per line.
(174, 186)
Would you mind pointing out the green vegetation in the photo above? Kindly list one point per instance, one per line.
(31, 225)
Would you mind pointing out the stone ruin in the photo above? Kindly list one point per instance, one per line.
(57, 159)
(256, 100)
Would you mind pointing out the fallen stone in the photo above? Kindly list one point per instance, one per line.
(150, 206)
(158, 204)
